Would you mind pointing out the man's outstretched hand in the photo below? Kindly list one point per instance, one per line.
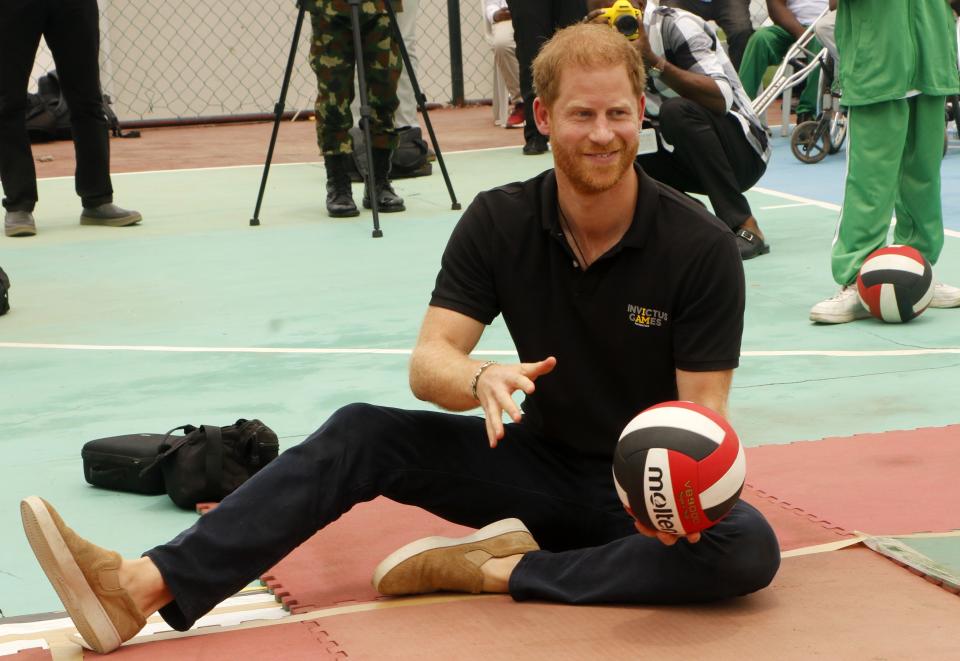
(495, 389)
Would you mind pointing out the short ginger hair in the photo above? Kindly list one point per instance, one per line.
(585, 45)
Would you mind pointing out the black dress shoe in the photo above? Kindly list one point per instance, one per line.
(535, 145)
(750, 244)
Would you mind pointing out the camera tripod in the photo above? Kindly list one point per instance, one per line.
(364, 109)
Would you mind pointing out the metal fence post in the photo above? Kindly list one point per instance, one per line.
(456, 53)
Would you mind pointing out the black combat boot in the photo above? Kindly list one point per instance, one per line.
(387, 199)
(340, 202)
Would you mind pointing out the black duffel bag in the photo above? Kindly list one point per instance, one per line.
(118, 462)
(208, 463)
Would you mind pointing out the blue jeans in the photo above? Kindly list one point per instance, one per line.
(442, 463)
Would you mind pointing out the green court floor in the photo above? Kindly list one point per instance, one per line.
(195, 317)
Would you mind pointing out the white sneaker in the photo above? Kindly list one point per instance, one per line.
(945, 296)
(840, 308)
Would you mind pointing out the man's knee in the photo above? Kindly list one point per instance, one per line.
(351, 428)
(677, 118)
(754, 558)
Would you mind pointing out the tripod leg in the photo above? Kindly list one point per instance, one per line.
(278, 110)
(369, 187)
(422, 104)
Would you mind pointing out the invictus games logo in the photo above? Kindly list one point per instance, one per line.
(646, 317)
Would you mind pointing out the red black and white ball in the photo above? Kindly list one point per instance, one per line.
(678, 467)
(895, 283)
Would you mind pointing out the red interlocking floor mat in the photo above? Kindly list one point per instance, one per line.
(335, 565)
(892, 483)
(850, 604)
(33, 654)
(291, 641)
(795, 528)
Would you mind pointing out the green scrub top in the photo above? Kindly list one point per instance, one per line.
(892, 48)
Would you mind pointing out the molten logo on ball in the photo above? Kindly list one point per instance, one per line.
(678, 467)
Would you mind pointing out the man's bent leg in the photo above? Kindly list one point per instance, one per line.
(715, 151)
(739, 555)
(766, 47)
(438, 461)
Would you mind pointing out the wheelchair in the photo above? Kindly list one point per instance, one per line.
(810, 141)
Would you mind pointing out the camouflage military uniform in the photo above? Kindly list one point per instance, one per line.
(332, 59)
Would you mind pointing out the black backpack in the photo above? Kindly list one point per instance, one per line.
(48, 117)
(4, 292)
(208, 463)
(409, 159)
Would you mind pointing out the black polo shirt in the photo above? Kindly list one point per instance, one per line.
(669, 295)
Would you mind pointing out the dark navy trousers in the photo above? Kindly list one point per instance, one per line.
(443, 463)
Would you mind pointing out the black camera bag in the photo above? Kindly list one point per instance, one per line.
(117, 462)
(209, 462)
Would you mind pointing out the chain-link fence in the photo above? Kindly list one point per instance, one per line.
(170, 60)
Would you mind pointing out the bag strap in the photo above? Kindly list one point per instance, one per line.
(189, 429)
(214, 456)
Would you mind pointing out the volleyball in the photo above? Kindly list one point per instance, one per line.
(678, 467)
(895, 283)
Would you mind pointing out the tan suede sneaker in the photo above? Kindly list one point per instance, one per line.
(85, 577)
(433, 564)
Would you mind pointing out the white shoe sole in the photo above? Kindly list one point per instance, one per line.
(414, 549)
(64, 573)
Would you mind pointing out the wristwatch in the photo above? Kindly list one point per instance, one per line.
(656, 70)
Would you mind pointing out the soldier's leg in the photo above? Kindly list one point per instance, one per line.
(332, 60)
(381, 61)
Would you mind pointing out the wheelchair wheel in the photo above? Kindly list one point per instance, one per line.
(838, 131)
(809, 143)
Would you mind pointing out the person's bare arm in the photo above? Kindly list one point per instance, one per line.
(442, 371)
(784, 18)
(710, 389)
(691, 85)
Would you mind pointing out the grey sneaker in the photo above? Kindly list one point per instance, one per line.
(19, 223)
(840, 308)
(110, 215)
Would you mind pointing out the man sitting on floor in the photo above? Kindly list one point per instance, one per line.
(708, 138)
(595, 224)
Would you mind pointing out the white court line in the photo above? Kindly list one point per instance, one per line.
(759, 189)
(823, 205)
(786, 206)
(260, 165)
(833, 353)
